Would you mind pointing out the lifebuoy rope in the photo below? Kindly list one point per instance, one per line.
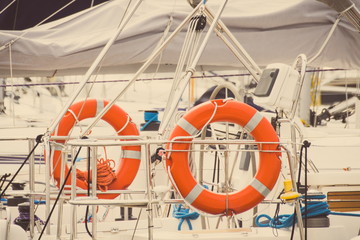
(126, 169)
(77, 120)
(125, 125)
(192, 130)
(60, 147)
(251, 121)
(74, 115)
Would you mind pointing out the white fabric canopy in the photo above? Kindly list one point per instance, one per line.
(270, 31)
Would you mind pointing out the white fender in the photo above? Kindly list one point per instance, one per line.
(14, 232)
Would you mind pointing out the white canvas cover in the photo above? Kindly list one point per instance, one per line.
(270, 31)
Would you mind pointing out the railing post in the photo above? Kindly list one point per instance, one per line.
(31, 186)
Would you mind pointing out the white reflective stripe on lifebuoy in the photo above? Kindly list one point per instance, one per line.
(194, 193)
(260, 187)
(99, 106)
(57, 147)
(253, 122)
(131, 154)
(188, 127)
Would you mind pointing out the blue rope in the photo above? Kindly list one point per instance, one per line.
(286, 220)
(183, 214)
(345, 214)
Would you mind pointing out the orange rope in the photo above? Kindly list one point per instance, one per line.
(81, 175)
(105, 174)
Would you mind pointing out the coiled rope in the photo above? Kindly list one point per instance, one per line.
(313, 209)
(105, 174)
(183, 214)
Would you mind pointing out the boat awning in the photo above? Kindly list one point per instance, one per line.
(270, 31)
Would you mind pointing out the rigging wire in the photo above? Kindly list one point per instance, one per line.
(347, 100)
(162, 39)
(16, 14)
(125, 12)
(136, 224)
(92, 83)
(7, 6)
(326, 39)
(38, 140)
(41, 22)
(88, 74)
(69, 172)
(59, 194)
(99, 68)
(12, 87)
(186, 54)
(149, 79)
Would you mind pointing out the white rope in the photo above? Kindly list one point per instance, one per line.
(125, 125)
(162, 39)
(178, 70)
(52, 152)
(185, 54)
(184, 51)
(195, 46)
(87, 94)
(74, 115)
(166, 32)
(95, 76)
(28, 30)
(12, 86)
(198, 134)
(7, 6)
(343, 12)
(190, 45)
(327, 39)
(346, 100)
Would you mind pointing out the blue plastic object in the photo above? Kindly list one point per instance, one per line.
(149, 117)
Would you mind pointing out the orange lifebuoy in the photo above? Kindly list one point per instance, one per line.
(253, 122)
(121, 122)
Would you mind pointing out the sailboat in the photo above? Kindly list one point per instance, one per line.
(304, 179)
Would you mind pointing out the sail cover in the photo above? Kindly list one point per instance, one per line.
(270, 31)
